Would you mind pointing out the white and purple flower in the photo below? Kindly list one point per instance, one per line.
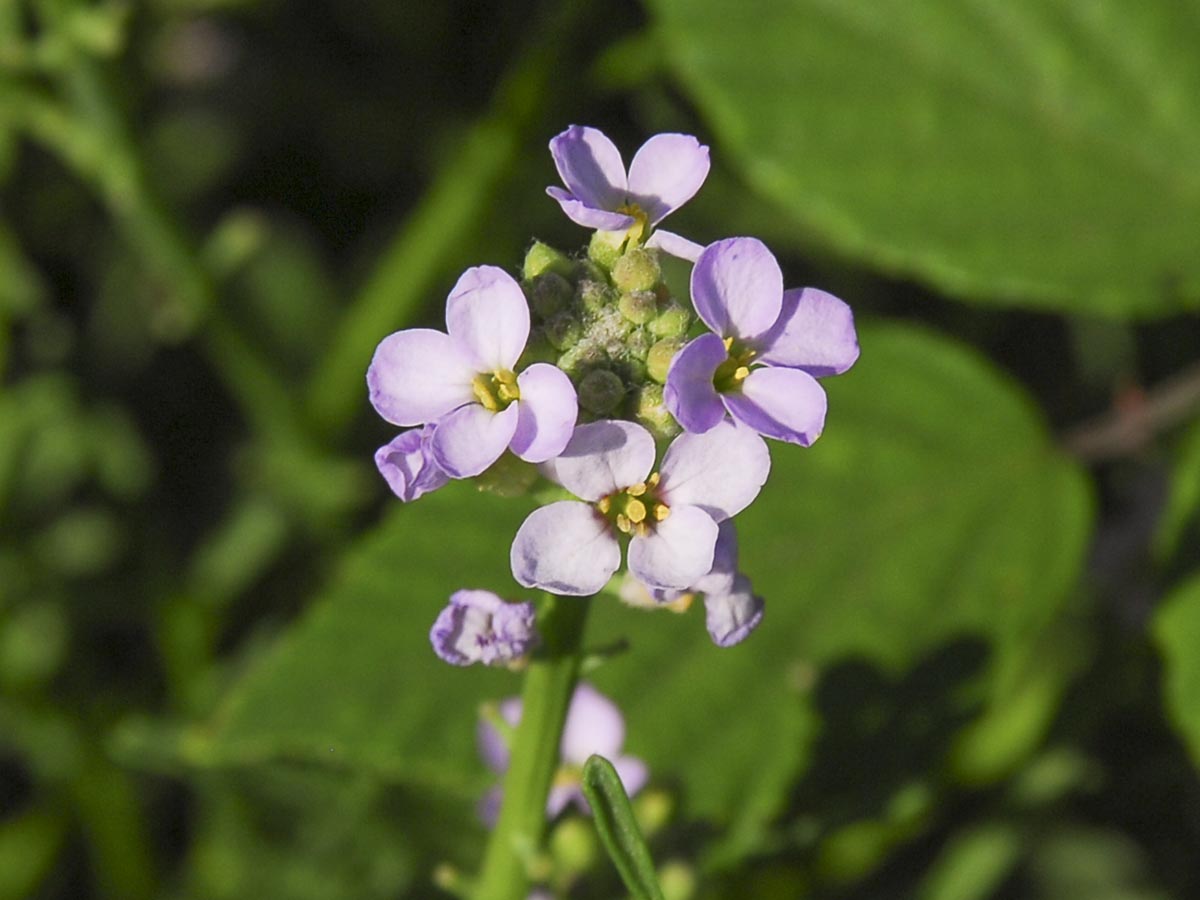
(594, 725)
(766, 351)
(665, 173)
(479, 626)
(571, 547)
(464, 380)
(406, 463)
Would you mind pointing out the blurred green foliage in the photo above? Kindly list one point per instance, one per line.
(215, 680)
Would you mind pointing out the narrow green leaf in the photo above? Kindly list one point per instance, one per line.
(618, 829)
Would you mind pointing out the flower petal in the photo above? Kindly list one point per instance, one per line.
(737, 287)
(418, 375)
(814, 332)
(491, 744)
(633, 773)
(786, 404)
(675, 244)
(603, 457)
(478, 626)
(547, 413)
(587, 216)
(730, 617)
(472, 438)
(590, 165)
(689, 394)
(666, 173)
(407, 464)
(677, 551)
(594, 725)
(566, 548)
(720, 577)
(488, 314)
(720, 471)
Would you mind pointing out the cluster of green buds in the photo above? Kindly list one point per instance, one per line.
(609, 321)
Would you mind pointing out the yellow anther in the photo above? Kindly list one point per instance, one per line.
(623, 523)
(728, 342)
(653, 480)
(482, 388)
(636, 511)
(740, 373)
(641, 529)
(636, 490)
(660, 511)
(604, 505)
(508, 392)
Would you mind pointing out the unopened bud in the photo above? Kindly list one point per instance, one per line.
(638, 307)
(653, 414)
(542, 258)
(677, 880)
(538, 349)
(658, 359)
(594, 294)
(563, 331)
(605, 247)
(671, 322)
(549, 293)
(653, 809)
(578, 359)
(600, 391)
(637, 270)
(573, 846)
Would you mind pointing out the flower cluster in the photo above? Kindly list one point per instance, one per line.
(647, 414)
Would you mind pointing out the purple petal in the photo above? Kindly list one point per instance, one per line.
(407, 464)
(737, 287)
(487, 313)
(587, 216)
(720, 471)
(547, 412)
(731, 616)
(677, 551)
(590, 165)
(594, 725)
(419, 375)
(488, 808)
(814, 332)
(472, 438)
(491, 744)
(478, 626)
(720, 577)
(675, 244)
(567, 548)
(666, 173)
(633, 773)
(561, 796)
(786, 404)
(689, 394)
(603, 457)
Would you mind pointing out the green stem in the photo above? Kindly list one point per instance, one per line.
(549, 684)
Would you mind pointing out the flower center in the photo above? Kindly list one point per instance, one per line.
(496, 391)
(638, 228)
(731, 373)
(635, 509)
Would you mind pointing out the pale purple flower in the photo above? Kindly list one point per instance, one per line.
(570, 547)
(731, 608)
(594, 725)
(665, 173)
(406, 463)
(768, 347)
(478, 626)
(464, 380)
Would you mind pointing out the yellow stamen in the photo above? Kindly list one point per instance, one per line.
(604, 505)
(740, 373)
(636, 510)
(623, 523)
(653, 480)
(660, 511)
(636, 490)
(482, 388)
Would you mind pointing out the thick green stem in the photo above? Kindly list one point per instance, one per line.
(549, 684)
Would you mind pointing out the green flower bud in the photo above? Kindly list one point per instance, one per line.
(605, 247)
(544, 258)
(638, 343)
(563, 331)
(652, 413)
(677, 880)
(637, 270)
(593, 294)
(653, 809)
(573, 846)
(601, 391)
(671, 322)
(537, 349)
(658, 360)
(576, 360)
(638, 307)
(507, 477)
(549, 293)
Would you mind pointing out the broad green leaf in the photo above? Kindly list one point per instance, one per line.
(1041, 152)
(618, 830)
(1176, 630)
(933, 511)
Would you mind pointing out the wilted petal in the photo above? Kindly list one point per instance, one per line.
(666, 173)
(603, 457)
(720, 471)
(689, 394)
(786, 404)
(565, 548)
(814, 332)
(590, 165)
(588, 216)
(731, 616)
(487, 313)
(675, 244)
(676, 551)
(407, 464)
(737, 287)
(594, 725)
(546, 413)
(472, 438)
(478, 626)
(419, 375)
